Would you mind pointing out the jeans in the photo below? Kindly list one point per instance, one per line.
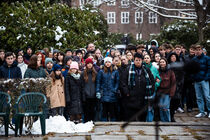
(202, 93)
(164, 105)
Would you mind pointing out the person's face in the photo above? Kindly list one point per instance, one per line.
(133, 51)
(117, 54)
(192, 51)
(112, 52)
(50, 55)
(91, 47)
(68, 53)
(198, 51)
(168, 50)
(60, 57)
(124, 60)
(20, 59)
(49, 65)
(116, 61)
(14, 56)
(29, 51)
(20, 53)
(79, 55)
(173, 58)
(108, 64)
(147, 59)
(157, 57)
(2, 55)
(10, 60)
(58, 72)
(74, 70)
(139, 50)
(129, 56)
(151, 51)
(39, 57)
(138, 62)
(183, 50)
(178, 51)
(162, 63)
(162, 51)
(68, 63)
(98, 53)
(89, 65)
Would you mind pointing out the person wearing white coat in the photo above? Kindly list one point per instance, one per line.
(21, 65)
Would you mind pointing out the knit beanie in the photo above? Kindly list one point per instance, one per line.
(107, 59)
(47, 60)
(88, 60)
(74, 65)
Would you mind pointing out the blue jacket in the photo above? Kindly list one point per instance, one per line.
(204, 73)
(107, 84)
(10, 72)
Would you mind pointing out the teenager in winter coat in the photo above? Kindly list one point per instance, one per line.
(56, 91)
(88, 80)
(137, 83)
(155, 73)
(34, 71)
(107, 83)
(166, 90)
(73, 93)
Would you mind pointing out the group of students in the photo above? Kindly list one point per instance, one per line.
(87, 86)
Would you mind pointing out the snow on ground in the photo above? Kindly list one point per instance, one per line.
(57, 124)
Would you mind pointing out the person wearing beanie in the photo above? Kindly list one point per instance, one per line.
(73, 93)
(88, 80)
(48, 66)
(55, 92)
(107, 83)
(67, 62)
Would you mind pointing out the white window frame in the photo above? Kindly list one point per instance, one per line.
(125, 17)
(139, 17)
(124, 3)
(139, 36)
(152, 17)
(111, 17)
(96, 3)
(111, 3)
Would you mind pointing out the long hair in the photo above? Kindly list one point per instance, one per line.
(94, 73)
(43, 58)
(33, 62)
(106, 69)
(52, 75)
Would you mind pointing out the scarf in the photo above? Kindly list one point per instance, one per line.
(131, 79)
(76, 76)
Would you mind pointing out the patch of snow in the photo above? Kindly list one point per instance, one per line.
(57, 124)
(19, 36)
(11, 14)
(2, 28)
(96, 32)
(59, 33)
(59, 44)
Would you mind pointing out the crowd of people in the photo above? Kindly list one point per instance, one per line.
(85, 85)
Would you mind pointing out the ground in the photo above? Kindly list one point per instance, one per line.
(186, 128)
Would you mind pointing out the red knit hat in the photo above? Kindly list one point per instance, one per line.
(88, 60)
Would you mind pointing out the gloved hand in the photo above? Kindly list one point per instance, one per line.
(98, 95)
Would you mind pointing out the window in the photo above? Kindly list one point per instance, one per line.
(111, 3)
(125, 3)
(111, 17)
(152, 17)
(124, 17)
(138, 17)
(138, 36)
(96, 3)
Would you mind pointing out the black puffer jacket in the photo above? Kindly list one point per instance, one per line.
(10, 72)
(73, 95)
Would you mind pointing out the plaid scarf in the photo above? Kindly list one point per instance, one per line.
(131, 79)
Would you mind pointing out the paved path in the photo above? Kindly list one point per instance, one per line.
(186, 128)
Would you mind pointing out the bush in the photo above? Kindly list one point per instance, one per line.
(41, 24)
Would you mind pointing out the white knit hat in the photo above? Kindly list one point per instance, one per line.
(107, 59)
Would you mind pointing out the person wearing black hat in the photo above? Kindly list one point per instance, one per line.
(137, 84)
(56, 91)
(28, 55)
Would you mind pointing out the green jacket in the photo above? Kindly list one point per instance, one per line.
(155, 73)
(35, 73)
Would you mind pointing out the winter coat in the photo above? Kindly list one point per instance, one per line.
(107, 84)
(65, 71)
(136, 94)
(155, 73)
(89, 87)
(23, 67)
(10, 72)
(35, 73)
(73, 95)
(168, 82)
(122, 71)
(204, 73)
(56, 93)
